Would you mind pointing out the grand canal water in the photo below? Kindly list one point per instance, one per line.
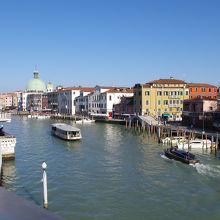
(112, 173)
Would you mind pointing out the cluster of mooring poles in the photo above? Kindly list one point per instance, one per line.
(161, 131)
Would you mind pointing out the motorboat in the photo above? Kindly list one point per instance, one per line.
(197, 143)
(66, 132)
(85, 121)
(181, 155)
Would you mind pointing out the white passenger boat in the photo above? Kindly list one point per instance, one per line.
(66, 132)
(197, 143)
(85, 121)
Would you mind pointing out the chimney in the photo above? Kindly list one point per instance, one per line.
(171, 77)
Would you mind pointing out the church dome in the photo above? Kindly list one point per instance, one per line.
(36, 84)
(49, 85)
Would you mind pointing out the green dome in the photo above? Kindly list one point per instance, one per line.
(36, 84)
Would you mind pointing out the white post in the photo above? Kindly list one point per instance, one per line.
(44, 166)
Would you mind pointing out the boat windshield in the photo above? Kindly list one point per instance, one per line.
(74, 133)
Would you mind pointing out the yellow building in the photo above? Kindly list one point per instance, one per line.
(163, 97)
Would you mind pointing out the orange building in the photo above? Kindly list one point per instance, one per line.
(202, 90)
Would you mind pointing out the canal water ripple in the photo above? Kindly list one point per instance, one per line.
(112, 173)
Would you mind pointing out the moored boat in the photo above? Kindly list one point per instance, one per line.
(66, 132)
(197, 143)
(174, 140)
(181, 155)
(84, 121)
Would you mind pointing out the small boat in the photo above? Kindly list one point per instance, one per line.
(66, 132)
(181, 155)
(174, 140)
(37, 116)
(85, 121)
(197, 143)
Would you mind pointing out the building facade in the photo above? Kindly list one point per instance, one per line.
(202, 90)
(100, 103)
(202, 113)
(124, 108)
(66, 99)
(82, 101)
(161, 98)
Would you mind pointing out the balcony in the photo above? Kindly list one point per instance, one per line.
(174, 105)
(174, 96)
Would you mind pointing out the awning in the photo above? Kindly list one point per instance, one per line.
(165, 114)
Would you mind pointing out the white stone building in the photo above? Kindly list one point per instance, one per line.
(82, 101)
(100, 103)
(66, 99)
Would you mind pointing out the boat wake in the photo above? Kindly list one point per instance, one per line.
(164, 157)
(208, 170)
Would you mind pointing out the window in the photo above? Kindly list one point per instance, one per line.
(171, 102)
(110, 98)
(165, 93)
(215, 89)
(181, 109)
(210, 108)
(139, 93)
(165, 102)
(158, 102)
(181, 93)
(165, 109)
(177, 109)
(196, 89)
(147, 102)
(170, 109)
(181, 101)
(147, 93)
(159, 110)
(202, 89)
(177, 101)
(190, 89)
(147, 110)
(187, 92)
(210, 90)
(159, 93)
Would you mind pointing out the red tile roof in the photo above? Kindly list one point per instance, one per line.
(85, 89)
(120, 90)
(200, 85)
(167, 81)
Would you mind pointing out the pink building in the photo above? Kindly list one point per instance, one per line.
(200, 105)
(201, 113)
(124, 108)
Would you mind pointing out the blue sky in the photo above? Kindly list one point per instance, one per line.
(108, 42)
